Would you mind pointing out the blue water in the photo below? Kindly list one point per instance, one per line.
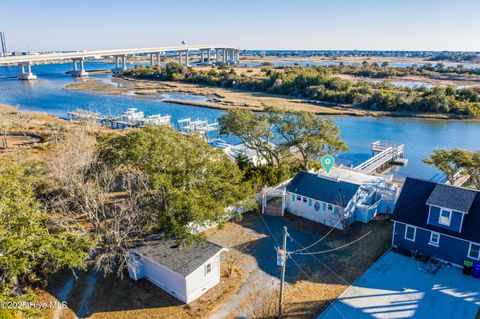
(419, 136)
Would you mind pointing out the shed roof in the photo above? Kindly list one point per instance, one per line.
(412, 209)
(455, 198)
(182, 259)
(322, 188)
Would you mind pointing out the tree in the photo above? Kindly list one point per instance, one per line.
(310, 135)
(186, 183)
(253, 130)
(32, 243)
(450, 162)
(473, 169)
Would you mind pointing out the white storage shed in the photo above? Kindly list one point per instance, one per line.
(184, 271)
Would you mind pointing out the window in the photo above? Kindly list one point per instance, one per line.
(324, 206)
(208, 269)
(299, 198)
(474, 251)
(293, 197)
(330, 207)
(310, 202)
(304, 199)
(445, 216)
(434, 238)
(410, 233)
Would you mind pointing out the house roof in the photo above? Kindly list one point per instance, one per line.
(182, 259)
(322, 188)
(412, 209)
(452, 197)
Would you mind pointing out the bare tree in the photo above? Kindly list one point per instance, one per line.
(87, 193)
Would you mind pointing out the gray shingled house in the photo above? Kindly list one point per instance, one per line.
(184, 271)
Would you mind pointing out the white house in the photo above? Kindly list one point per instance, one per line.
(184, 271)
(340, 198)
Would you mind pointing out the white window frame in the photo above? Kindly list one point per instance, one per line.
(414, 233)
(329, 208)
(470, 250)
(208, 268)
(433, 243)
(449, 217)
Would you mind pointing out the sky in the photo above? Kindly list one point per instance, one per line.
(250, 24)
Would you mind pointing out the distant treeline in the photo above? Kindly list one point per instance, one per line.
(319, 83)
(375, 70)
(456, 57)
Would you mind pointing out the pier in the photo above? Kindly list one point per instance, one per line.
(383, 154)
(224, 54)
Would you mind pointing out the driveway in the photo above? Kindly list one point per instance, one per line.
(394, 287)
(312, 281)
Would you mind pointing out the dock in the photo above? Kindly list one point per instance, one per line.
(461, 177)
(201, 127)
(132, 118)
(383, 154)
(85, 116)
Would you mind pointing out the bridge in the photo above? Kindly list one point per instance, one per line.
(383, 153)
(226, 54)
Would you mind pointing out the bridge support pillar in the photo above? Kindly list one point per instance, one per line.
(79, 73)
(180, 57)
(232, 57)
(202, 56)
(120, 64)
(237, 56)
(209, 56)
(224, 56)
(216, 55)
(187, 63)
(155, 58)
(26, 73)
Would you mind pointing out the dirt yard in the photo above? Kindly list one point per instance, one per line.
(112, 297)
(313, 281)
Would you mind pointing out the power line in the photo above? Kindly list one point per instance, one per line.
(310, 278)
(328, 233)
(333, 249)
(324, 265)
(300, 267)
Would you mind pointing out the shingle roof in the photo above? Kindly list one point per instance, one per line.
(452, 197)
(412, 208)
(182, 259)
(322, 188)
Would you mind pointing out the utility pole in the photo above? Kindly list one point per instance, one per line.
(283, 253)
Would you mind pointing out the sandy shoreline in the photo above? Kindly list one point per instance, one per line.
(223, 99)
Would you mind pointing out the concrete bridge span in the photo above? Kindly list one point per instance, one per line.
(223, 54)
